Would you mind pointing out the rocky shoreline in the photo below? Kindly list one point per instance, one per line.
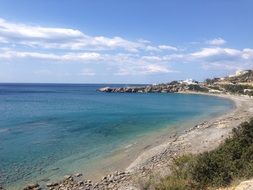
(146, 89)
(159, 88)
(77, 182)
(240, 84)
(156, 161)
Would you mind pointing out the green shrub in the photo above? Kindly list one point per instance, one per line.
(180, 178)
(232, 160)
(195, 87)
(173, 183)
(236, 88)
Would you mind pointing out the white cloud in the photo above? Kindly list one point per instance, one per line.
(143, 70)
(128, 56)
(247, 53)
(152, 68)
(87, 56)
(152, 58)
(151, 48)
(166, 47)
(226, 65)
(35, 36)
(216, 42)
(223, 58)
(212, 52)
(14, 30)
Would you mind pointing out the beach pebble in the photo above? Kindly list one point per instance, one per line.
(67, 176)
(52, 184)
(31, 186)
(78, 175)
(80, 183)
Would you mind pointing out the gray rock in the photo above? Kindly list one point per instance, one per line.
(78, 175)
(31, 186)
(52, 184)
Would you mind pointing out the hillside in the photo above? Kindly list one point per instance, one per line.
(241, 83)
(244, 77)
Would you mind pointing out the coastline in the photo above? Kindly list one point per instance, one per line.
(203, 137)
(155, 158)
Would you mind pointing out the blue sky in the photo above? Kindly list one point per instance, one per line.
(123, 41)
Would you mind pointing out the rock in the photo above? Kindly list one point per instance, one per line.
(78, 175)
(31, 186)
(66, 177)
(111, 179)
(52, 184)
(105, 89)
(80, 183)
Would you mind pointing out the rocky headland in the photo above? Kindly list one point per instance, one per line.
(159, 88)
(241, 83)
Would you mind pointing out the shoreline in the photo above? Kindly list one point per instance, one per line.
(152, 159)
(203, 137)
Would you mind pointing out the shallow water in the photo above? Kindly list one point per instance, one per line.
(48, 127)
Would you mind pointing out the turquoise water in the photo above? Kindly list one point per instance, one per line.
(42, 124)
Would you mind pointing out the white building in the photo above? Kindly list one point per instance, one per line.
(239, 72)
(189, 81)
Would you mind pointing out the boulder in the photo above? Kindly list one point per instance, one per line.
(52, 184)
(78, 175)
(31, 186)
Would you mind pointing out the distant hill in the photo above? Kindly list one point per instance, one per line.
(241, 77)
(240, 83)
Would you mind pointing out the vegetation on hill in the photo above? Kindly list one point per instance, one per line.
(246, 77)
(231, 161)
(238, 89)
(241, 83)
(197, 88)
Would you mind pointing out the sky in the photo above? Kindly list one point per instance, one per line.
(123, 41)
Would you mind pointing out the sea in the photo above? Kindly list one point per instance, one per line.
(49, 130)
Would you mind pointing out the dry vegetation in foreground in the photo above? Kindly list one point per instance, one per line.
(231, 161)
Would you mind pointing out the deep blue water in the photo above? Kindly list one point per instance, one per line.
(41, 124)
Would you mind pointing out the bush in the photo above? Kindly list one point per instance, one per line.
(180, 178)
(230, 161)
(195, 87)
(236, 88)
